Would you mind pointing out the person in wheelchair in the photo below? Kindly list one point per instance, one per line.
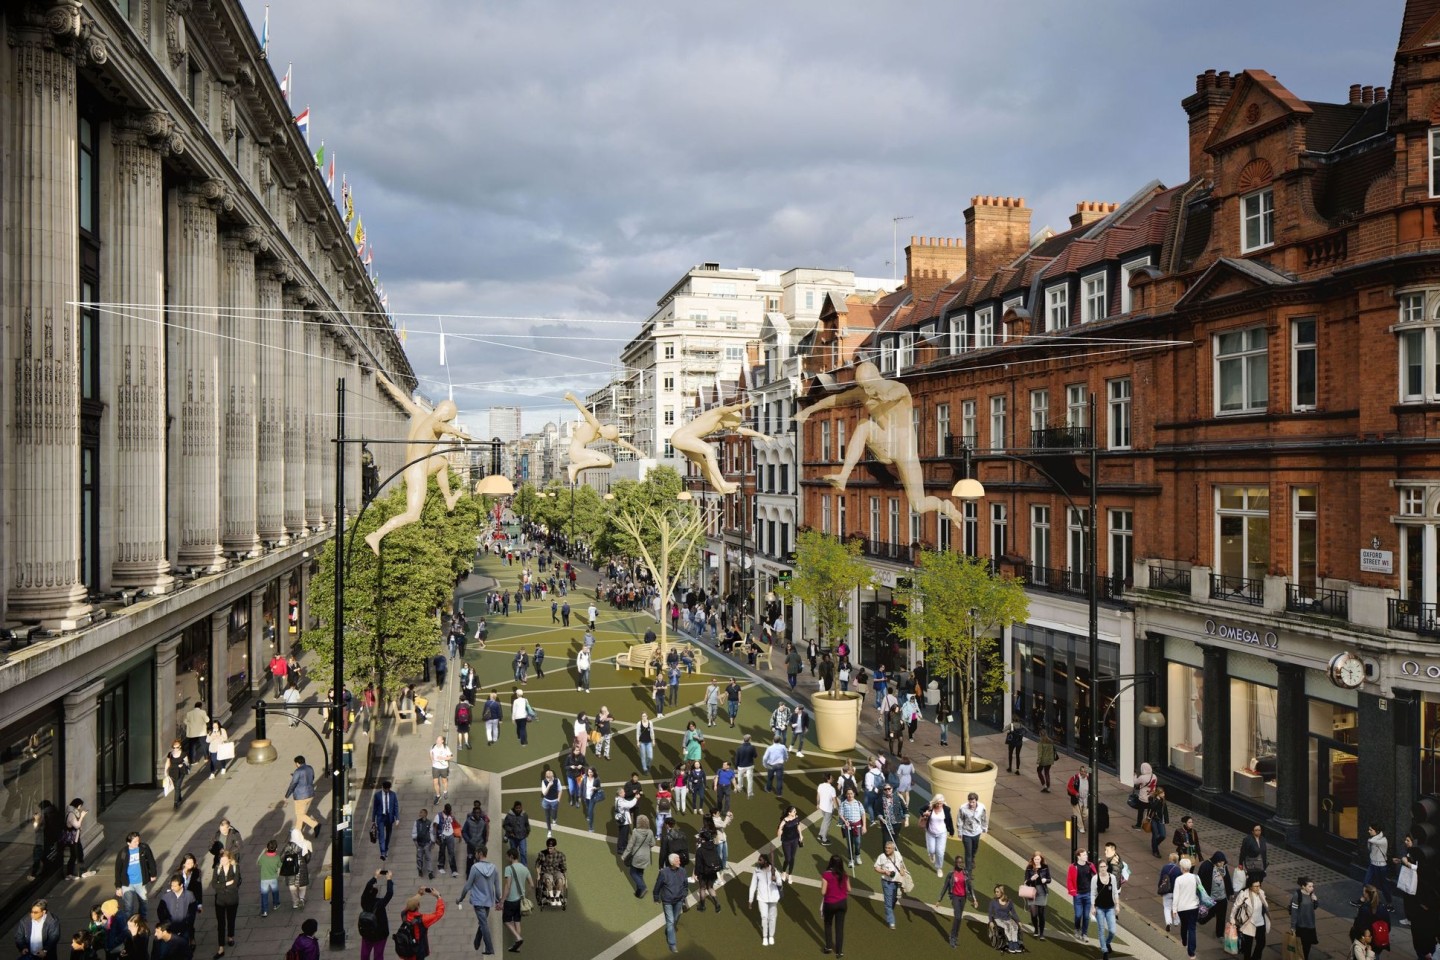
(1004, 923)
(550, 864)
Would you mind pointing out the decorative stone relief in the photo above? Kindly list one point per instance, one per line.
(175, 12)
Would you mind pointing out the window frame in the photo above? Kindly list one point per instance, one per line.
(1300, 517)
(824, 441)
(1303, 352)
(1264, 216)
(985, 328)
(1057, 306)
(999, 529)
(1039, 409)
(1246, 514)
(1094, 297)
(1040, 535)
(1119, 426)
(1127, 270)
(1120, 529)
(998, 423)
(969, 423)
(942, 429)
(1435, 162)
(1244, 357)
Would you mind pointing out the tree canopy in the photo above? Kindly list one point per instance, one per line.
(827, 574)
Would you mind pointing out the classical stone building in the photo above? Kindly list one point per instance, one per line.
(1258, 344)
(179, 301)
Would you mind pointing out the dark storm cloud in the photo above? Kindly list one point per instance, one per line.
(572, 160)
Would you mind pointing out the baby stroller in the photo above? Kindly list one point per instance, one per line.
(553, 890)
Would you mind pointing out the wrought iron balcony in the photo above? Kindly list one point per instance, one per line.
(1068, 580)
(1237, 589)
(1060, 438)
(1300, 598)
(1415, 616)
(1172, 580)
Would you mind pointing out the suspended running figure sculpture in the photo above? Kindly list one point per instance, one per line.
(689, 440)
(587, 432)
(426, 429)
(889, 433)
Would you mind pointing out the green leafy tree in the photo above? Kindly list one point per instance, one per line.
(951, 608)
(655, 493)
(392, 601)
(827, 574)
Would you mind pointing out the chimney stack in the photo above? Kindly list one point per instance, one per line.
(1089, 211)
(997, 231)
(1367, 94)
(1203, 107)
(931, 263)
(1354, 93)
(1379, 94)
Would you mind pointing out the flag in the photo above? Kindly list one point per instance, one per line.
(330, 175)
(285, 83)
(347, 200)
(402, 322)
(359, 234)
(265, 31)
(302, 120)
(320, 157)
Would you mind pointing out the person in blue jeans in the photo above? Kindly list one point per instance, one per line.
(1105, 901)
(878, 684)
(891, 868)
(645, 740)
(671, 889)
(1078, 885)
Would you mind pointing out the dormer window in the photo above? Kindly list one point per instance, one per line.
(985, 328)
(1057, 308)
(905, 358)
(1093, 298)
(887, 357)
(957, 334)
(1257, 220)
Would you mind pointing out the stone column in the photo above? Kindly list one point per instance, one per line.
(166, 652)
(270, 409)
(358, 423)
(302, 572)
(220, 665)
(296, 402)
(329, 373)
(314, 374)
(259, 656)
(40, 347)
(238, 361)
(1292, 772)
(1215, 724)
(194, 378)
(282, 625)
(82, 734)
(133, 272)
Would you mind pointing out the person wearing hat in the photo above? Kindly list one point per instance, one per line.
(1214, 876)
(38, 935)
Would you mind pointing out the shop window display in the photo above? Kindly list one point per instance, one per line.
(1430, 746)
(1252, 741)
(1335, 773)
(31, 813)
(1184, 715)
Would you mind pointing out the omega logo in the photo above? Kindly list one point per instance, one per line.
(1411, 668)
(1225, 631)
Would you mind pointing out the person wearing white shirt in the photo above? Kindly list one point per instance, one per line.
(39, 934)
(440, 757)
(520, 713)
(774, 759)
(582, 666)
(825, 802)
(765, 887)
(1186, 892)
(593, 615)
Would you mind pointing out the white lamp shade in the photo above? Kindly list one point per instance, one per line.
(968, 489)
(495, 485)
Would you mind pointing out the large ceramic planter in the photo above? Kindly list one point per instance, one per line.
(837, 720)
(948, 777)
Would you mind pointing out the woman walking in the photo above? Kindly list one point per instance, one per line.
(605, 726)
(220, 755)
(894, 730)
(695, 779)
(937, 825)
(955, 885)
(790, 838)
(718, 822)
(905, 781)
(707, 869)
(1159, 819)
(550, 798)
(1037, 878)
(1251, 916)
(658, 691)
(1186, 891)
(297, 854)
(1302, 914)
(226, 884)
(636, 855)
(854, 816)
(1145, 784)
(1165, 886)
(645, 740)
(75, 815)
(678, 791)
(1044, 760)
(765, 886)
(834, 901)
(1105, 904)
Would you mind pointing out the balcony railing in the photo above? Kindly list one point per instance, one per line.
(1166, 578)
(1301, 598)
(1060, 438)
(1072, 581)
(1415, 616)
(952, 445)
(1237, 589)
(885, 550)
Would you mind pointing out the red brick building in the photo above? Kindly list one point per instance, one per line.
(1260, 345)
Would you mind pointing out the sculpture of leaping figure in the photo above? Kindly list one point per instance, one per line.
(426, 429)
(689, 440)
(889, 433)
(587, 432)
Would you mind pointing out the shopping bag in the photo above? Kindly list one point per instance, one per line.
(225, 751)
(1294, 949)
(1232, 939)
(169, 787)
(1408, 881)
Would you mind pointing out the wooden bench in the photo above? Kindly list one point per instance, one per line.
(639, 656)
(764, 657)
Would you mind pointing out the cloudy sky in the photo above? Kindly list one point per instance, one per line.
(539, 172)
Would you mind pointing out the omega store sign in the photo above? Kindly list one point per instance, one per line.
(1238, 633)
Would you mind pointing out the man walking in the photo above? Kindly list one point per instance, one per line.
(732, 699)
(197, 724)
(516, 827)
(482, 883)
(582, 666)
(670, 892)
(825, 802)
(520, 713)
(774, 760)
(973, 820)
(712, 701)
(745, 766)
(385, 808)
(565, 614)
(135, 868)
(476, 834)
(490, 713)
(792, 666)
(302, 790)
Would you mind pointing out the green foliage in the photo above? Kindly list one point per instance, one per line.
(655, 493)
(951, 609)
(391, 627)
(827, 574)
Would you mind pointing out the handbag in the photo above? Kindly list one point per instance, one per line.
(907, 882)
(225, 751)
(1232, 939)
(374, 832)
(1026, 892)
(1408, 881)
(1145, 823)
(527, 906)
(1133, 801)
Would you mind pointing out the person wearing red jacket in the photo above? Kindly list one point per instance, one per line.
(427, 920)
(1077, 883)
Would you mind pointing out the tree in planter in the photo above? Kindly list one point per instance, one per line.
(827, 574)
(390, 626)
(951, 606)
(677, 529)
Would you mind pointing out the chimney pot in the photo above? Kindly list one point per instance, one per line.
(1354, 93)
(1379, 94)
(1367, 94)
(1227, 82)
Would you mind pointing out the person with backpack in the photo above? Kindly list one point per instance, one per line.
(516, 830)
(306, 946)
(957, 885)
(515, 882)
(707, 869)
(446, 830)
(1214, 877)
(1302, 915)
(673, 840)
(475, 831)
(1187, 841)
(482, 884)
(412, 938)
(462, 724)
(374, 923)
(1165, 887)
(1373, 915)
(423, 834)
(295, 867)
